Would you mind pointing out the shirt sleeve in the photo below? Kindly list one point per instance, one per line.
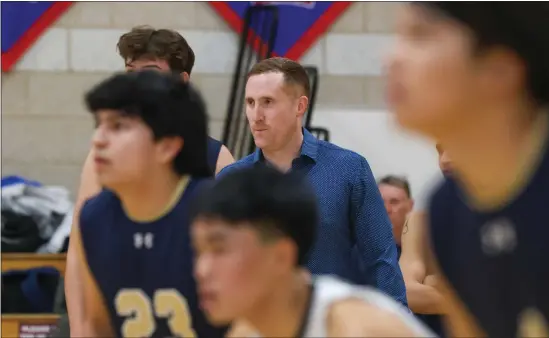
(374, 236)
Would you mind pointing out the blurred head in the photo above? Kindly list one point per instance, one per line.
(146, 122)
(156, 49)
(277, 93)
(444, 161)
(252, 230)
(395, 192)
(453, 61)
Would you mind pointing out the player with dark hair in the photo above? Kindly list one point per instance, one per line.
(166, 50)
(132, 240)
(143, 47)
(475, 77)
(252, 232)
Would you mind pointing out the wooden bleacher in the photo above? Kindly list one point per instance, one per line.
(12, 323)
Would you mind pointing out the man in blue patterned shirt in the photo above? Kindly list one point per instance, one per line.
(355, 239)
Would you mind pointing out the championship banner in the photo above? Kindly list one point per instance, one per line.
(301, 24)
(23, 22)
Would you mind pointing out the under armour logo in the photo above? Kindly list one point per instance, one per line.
(143, 240)
(498, 237)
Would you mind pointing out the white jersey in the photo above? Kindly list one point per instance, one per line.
(328, 289)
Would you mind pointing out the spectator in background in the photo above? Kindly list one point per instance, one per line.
(354, 239)
(395, 192)
(423, 297)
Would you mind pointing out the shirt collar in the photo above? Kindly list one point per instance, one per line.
(309, 147)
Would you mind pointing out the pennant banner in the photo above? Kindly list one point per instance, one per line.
(300, 25)
(23, 22)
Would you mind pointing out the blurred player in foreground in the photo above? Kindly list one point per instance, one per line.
(141, 48)
(252, 232)
(419, 276)
(475, 76)
(133, 240)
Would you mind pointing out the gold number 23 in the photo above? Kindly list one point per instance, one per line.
(166, 303)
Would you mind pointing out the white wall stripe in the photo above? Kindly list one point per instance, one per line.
(93, 50)
(49, 53)
(356, 54)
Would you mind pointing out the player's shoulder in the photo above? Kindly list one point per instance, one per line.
(104, 200)
(353, 317)
(97, 207)
(213, 140)
(444, 193)
(194, 188)
(214, 143)
(341, 291)
(346, 315)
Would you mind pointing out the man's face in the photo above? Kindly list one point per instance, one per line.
(435, 84)
(123, 148)
(398, 206)
(234, 268)
(273, 109)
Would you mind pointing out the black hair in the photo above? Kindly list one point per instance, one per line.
(519, 26)
(273, 203)
(167, 105)
(398, 182)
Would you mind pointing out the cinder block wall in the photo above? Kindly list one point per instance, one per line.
(46, 132)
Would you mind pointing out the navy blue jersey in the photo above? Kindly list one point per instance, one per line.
(214, 147)
(498, 261)
(144, 270)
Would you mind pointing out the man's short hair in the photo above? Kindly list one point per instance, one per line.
(276, 205)
(511, 25)
(294, 73)
(167, 105)
(163, 44)
(397, 182)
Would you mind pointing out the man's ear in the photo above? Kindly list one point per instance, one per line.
(302, 105)
(185, 76)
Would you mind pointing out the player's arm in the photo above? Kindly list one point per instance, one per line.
(74, 298)
(374, 234)
(356, 318)
(94, 320)
(224, 159)
(422, 297)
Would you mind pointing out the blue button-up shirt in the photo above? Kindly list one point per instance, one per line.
(355, 239)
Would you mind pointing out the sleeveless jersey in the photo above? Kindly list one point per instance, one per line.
(498, 261)
(328, 289)
(214, 147)
(145, 270)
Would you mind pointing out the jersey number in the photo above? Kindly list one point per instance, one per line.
(141, 312)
